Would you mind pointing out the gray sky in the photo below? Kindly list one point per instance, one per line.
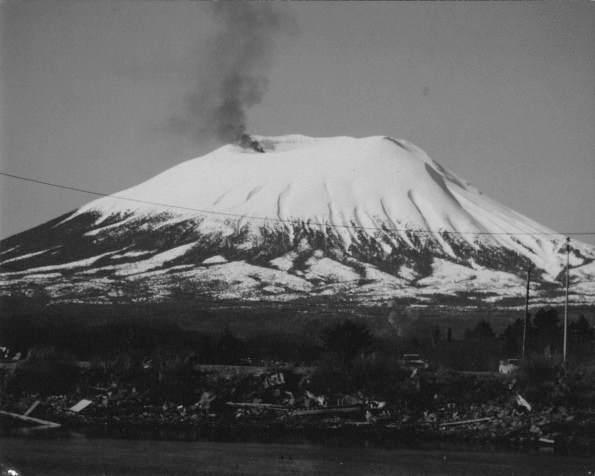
(501, 93)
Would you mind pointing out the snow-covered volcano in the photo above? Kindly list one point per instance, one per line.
(284, 218)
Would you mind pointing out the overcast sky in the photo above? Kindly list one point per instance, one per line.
(501, 93)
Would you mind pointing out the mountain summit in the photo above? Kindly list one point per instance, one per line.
(283, 218)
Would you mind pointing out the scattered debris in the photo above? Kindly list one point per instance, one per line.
(80, 406)
(522, 402)
(369, 417)
(290, 400)
(274, 380)
(546, 441)
(205, 400)
(375, 405)
(435, 404)
(8, 470)
(317, 400)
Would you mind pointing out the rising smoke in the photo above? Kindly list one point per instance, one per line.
(234, 75)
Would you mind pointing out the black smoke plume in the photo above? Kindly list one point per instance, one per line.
(234, 75)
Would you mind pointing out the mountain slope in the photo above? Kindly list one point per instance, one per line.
(294, 217)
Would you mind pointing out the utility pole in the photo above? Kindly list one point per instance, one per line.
(526, 312)
(566, 301)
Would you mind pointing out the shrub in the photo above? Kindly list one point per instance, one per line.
(346, 339)
(331, 376)
(47, 372)
(378, 374)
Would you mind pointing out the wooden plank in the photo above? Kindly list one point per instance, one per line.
(80, 406)
(28, 419)
(327, 411)
(264, 406)
(31, 408)
(465, 422)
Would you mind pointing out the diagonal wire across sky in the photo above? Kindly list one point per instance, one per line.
(277, 219)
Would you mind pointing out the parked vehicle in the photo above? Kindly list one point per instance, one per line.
(414, 361)
(509, 366)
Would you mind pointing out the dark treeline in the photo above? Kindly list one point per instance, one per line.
(482, 347)
(142, 338)
(86, 337)
(545, 334)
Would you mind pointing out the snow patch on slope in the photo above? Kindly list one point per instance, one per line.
(155, 261)
(449, 275)
(243, 276)
(374, 274)
(217, 259)
(320, 267)
(83, 263)
(284, 262)
(25, 256)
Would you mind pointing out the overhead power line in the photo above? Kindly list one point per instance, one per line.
(281, 220)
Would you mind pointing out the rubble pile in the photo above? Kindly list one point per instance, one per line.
(434, 405)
